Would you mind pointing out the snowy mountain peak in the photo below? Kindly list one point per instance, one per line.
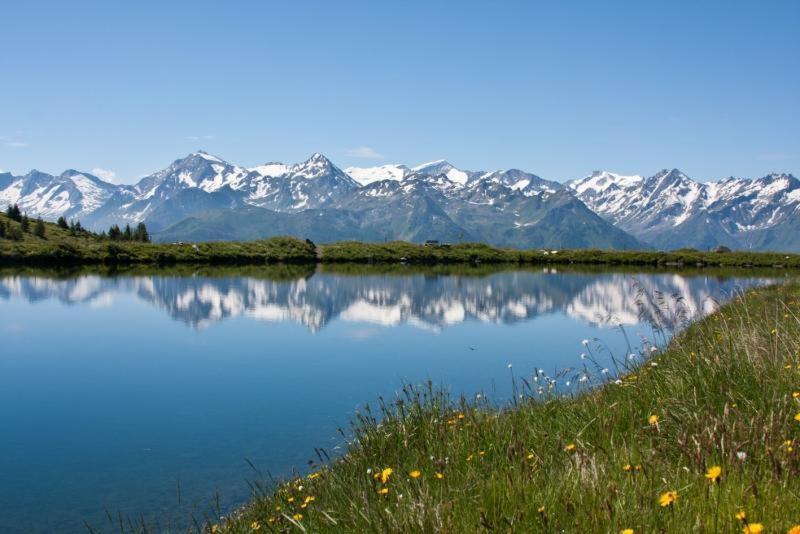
(433, 168)
(272, 168)
(600, 181)
(368, 175)
(205, 155)
(318, 166)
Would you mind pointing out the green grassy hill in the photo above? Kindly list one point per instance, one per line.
(703, 437)
(60, 247)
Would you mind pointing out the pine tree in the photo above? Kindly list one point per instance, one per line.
(2, 229)
(38, 228)
(62, 223)
(25, 223)
(114, 233)
(127, 234)
(140, 234)
(14, 213)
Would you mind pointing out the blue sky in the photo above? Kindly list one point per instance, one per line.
(555, 88)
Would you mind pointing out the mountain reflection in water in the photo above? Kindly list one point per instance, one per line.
(424, 300)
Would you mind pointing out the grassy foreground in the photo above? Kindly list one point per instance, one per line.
(702, 437)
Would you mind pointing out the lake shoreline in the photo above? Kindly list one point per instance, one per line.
(693, 433)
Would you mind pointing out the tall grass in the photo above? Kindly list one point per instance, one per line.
(725, 393)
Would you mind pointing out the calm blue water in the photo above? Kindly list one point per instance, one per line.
(145, 394)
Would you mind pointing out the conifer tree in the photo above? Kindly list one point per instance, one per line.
(114, 233)
(127, 234)
(14, 213)
(140, 234)
(25, 223)
(38, 228)
(62, 223)
(2, 228)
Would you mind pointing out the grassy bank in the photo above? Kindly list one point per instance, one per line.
(399, 251)
(702, 433)
(61, 247)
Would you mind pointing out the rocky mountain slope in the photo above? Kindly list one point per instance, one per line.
(670, 210)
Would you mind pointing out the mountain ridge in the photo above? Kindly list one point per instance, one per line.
(434, 200)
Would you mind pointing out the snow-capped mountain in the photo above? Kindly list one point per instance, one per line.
(670, 210)
(72, 194)
(202, 196)
(368, 175)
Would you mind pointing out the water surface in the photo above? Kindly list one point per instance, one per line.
(146, 393)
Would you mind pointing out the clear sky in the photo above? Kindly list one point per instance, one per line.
(555, 88)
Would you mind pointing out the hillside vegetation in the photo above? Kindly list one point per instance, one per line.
(703, 436)
(60, 246)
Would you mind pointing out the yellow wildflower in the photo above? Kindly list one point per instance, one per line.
(797, 416)
(297, 517)
(796, 394)
(794, 530)
(482, 453)
(541, 510)
(627, 467)
(753, 528)
(290, 499)
(470, 457)
(385, 474)
(312, 476)
(714, 473)
(214, 529)
(255, 525)
(653, 420)
(741, 515)
(416, 473)
(626, 531)
(439, 475)
(383, 491)
(668, 499)
(570, 447)
(530, 456)
(461, 415)
(309, 499)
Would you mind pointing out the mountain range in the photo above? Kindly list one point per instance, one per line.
(203, 197)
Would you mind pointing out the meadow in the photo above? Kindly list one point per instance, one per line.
(700, 436)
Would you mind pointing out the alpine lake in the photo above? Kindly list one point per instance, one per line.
(158, 395)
